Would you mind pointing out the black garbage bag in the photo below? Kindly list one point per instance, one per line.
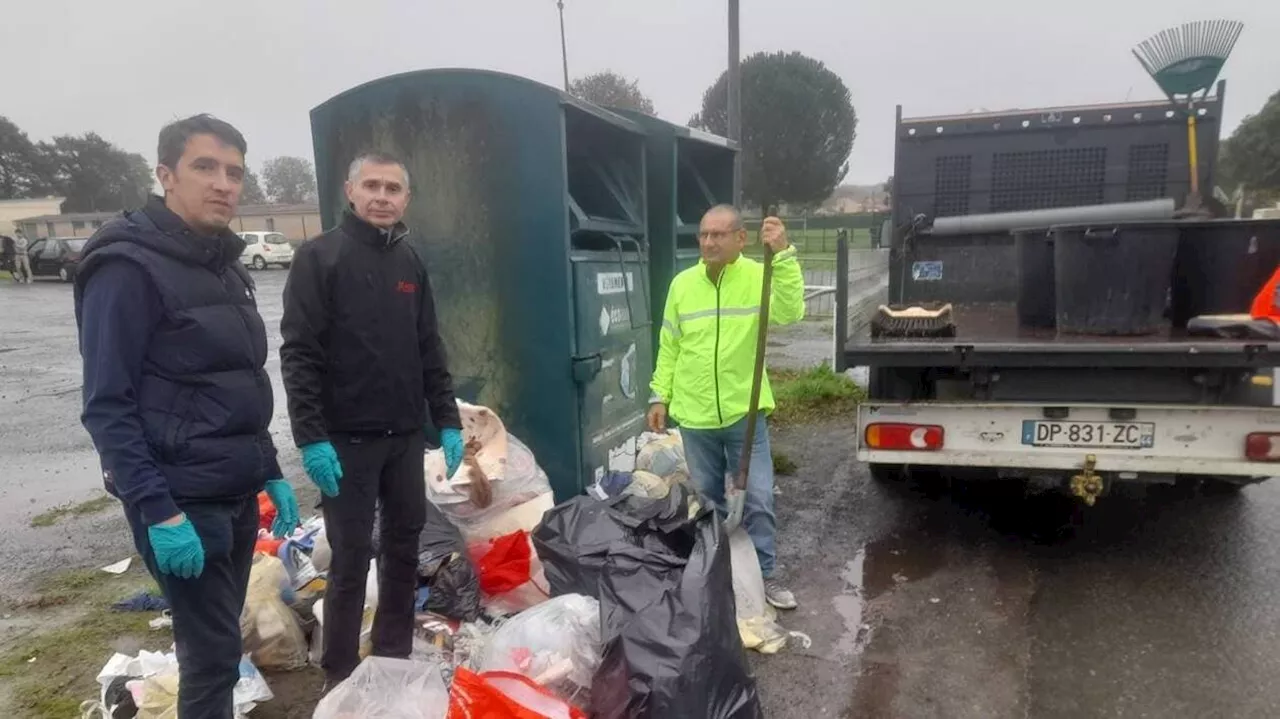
(443, 567)
(668, 620)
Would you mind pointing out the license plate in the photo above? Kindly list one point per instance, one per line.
(1094, 435)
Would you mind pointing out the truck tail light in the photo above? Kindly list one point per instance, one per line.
(1262, 447)
(909, 437)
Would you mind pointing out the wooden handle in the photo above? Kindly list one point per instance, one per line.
(757, 374)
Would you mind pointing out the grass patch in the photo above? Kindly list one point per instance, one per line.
(783, 465)
(67, 661)
(812, 395)
(57, 514)
(51, 669)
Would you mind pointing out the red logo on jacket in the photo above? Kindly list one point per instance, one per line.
(407, 288)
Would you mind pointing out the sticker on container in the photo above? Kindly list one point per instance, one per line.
(628, 380)
(926, 271)
(610, 283)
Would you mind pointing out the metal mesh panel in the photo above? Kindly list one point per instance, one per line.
(951, 185)
(1148, 172)
(1047, 178)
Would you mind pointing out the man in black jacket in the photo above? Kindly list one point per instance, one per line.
(177, 401)
(363, 364)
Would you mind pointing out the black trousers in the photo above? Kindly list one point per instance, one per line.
(206, 610)
(383, 471)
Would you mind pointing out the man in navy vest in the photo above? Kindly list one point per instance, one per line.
(177, 401)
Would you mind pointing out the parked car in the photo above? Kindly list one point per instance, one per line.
(263, 249)
(56, 257)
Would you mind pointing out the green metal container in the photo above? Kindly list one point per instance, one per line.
(528, 208)
(689, 172)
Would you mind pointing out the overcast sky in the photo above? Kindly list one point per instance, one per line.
(123, 68)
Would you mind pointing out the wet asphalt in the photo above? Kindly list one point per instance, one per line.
(922, 599)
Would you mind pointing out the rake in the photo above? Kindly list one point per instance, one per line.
(1184, 61)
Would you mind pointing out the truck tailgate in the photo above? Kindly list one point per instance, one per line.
(1161, 439)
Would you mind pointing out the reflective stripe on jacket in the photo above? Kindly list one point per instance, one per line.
(707, 345)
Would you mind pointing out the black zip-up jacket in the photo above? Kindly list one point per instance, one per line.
(362, 351)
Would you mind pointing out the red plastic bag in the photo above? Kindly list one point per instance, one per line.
(504, 564)
(504, 695)
(266, 511)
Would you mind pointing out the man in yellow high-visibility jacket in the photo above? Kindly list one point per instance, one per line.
(706, 353)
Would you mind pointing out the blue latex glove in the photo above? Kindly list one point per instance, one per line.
(286, 504)
(451, 442)
(177, 548)
(320, 460)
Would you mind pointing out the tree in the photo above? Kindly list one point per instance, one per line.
(290, 180)
(1251, 156)
(95, 175)
(22, 170)
(251, 193)
(609, 89)
(798, 126)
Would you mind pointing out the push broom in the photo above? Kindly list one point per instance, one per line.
(1185, 62)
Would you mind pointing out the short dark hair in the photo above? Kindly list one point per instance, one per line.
(376, 158)
(174, 137)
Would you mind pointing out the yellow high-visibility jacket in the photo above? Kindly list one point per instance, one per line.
(707, 345)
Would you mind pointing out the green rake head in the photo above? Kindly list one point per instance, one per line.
(1186, 60)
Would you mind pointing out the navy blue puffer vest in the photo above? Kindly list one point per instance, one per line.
(204, 397)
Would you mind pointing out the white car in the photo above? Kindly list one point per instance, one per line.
(263, 249)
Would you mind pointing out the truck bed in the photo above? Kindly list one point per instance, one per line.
(988, 335)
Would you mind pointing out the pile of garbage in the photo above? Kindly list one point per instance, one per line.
(629, 601)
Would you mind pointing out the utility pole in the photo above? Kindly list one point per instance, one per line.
(735, 100)
(564, 47)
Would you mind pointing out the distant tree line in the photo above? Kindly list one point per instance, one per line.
(95, 175)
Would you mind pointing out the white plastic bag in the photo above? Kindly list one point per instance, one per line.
(384, 688)
(556, 644)
(268, 627)
(158, 689)
(757, 621)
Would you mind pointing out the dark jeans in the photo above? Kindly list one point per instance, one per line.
(206, 610)
(376, 471)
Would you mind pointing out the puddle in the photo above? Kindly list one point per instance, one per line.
(892, 561)
(849, 606)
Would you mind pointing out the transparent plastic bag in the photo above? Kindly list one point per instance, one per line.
(268, 627)
(556, 644)
(757, 621)
(664, 456)
(514, 477)
(384, 688)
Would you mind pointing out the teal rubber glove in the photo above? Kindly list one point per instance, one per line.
(451, 442)
(286, 504)
(320, 460)
(177, 548)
